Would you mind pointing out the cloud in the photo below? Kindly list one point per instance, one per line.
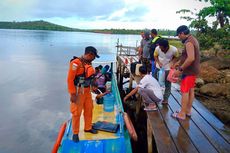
(136, 14)
(102, 14)
(112, 10)
(15, 9)
(128, 14)
(86, 9)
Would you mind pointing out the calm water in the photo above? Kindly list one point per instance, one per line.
(33, 94)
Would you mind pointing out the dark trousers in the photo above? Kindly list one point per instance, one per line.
(167, 83)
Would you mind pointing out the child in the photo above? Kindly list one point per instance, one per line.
(97, 94)
(149, 89)
(100, 79)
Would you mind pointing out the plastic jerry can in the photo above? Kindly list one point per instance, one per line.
(108, 102)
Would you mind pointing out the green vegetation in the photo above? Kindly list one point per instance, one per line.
(164, 32)
(35, 25)
(218, 33)
(176, 43)
(43, 25)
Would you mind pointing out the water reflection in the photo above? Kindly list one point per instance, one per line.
(33, 93)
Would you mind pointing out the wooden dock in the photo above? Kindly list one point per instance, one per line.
(202, 133)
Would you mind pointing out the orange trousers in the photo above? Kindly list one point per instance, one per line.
(84, 102)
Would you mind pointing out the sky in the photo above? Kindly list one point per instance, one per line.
(101, 14)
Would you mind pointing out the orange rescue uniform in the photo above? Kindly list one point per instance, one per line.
(84, 98)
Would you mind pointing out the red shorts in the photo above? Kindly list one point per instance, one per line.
(187, 83)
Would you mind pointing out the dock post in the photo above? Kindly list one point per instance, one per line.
(130, 82)
(121, 76)
(149, 136)
(138, 104)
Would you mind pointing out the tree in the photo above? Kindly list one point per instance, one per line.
(210, 36)
(219, 9)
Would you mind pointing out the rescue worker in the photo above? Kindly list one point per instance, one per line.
(79, 79)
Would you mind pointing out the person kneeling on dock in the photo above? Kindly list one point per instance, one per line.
(149, 89)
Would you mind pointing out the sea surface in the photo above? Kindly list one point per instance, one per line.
(33, 93)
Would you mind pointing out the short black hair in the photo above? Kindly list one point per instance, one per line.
(100, 67)
(182, 28)
(97, 68)
(147, 33)
(163, 42)
(154, 31)
(143, 69)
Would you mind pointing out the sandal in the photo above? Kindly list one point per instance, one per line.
(150, 108)
(165, 102)
(188, 114)
(175, 115)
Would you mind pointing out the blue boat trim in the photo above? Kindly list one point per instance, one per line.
(119, 143)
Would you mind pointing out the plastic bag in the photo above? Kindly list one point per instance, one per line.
(170, 76)
(161, 77)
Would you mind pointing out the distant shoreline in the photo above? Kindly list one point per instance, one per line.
(43, 25)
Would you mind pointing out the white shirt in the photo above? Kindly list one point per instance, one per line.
(165, 58)
(94, 95)
(151, 83)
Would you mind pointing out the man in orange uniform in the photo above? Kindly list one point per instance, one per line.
(80, 76)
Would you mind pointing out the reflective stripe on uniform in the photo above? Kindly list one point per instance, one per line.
(155, 39)
(74, 66)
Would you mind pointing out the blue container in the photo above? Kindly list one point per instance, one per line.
(161, 77)
(108, 102)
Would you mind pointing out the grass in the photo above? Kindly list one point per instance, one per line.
(227, 56)
(176, 43)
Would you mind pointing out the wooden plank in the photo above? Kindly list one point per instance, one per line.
(130, 83)
(149, 136)
(209, 117)
(134, 48)
(122, 59)
(161, 134)
(198, 138)
(180, 137)
(126, 50)
(130, 59)
(135, 59)
(138, 104)
(212, 135)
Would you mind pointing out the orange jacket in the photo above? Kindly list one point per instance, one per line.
(77, 68)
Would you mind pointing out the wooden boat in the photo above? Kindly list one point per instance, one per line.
(103, 142)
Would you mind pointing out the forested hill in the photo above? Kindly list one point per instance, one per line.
(43, 25)
(34, 25)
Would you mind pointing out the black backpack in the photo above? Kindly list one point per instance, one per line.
(153, 46)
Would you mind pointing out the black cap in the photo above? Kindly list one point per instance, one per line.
(182, 28)
(91, 49)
